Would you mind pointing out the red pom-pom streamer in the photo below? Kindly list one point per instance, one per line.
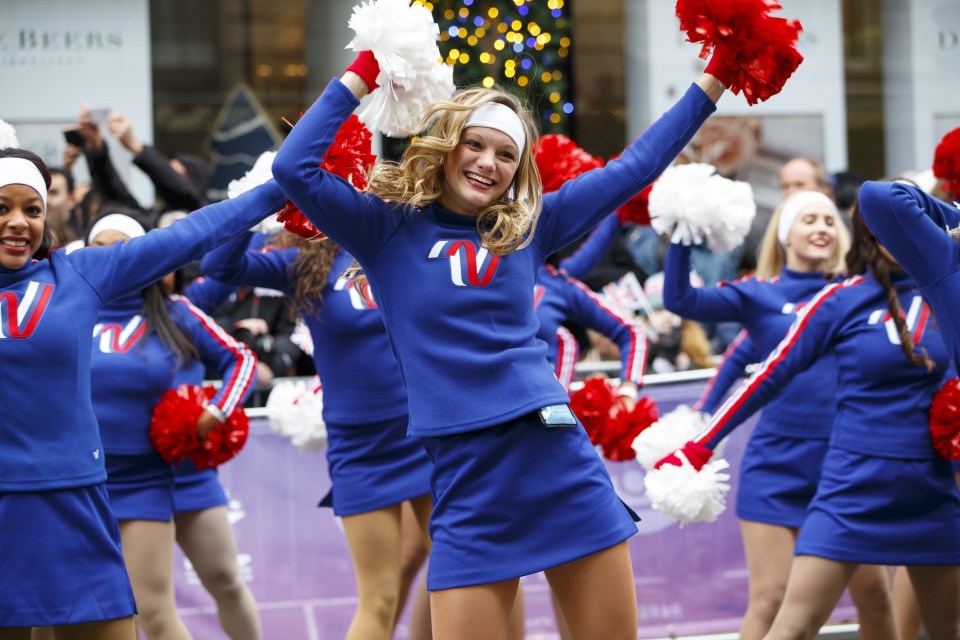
(637, 208)
(591, 404)
(758, 50)
(611, 428)
(946, 162)
(559, 159)
(945, 420)
(349, 157)
(173, 429)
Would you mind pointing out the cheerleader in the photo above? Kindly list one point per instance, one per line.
(801, 251)
(60, 558)
(446, 240)
(884, 497)
(374, 467)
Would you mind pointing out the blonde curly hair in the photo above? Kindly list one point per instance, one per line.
(417, 180)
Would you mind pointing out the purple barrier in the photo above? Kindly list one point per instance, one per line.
(690, 580)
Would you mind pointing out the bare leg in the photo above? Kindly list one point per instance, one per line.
(120, 629)
(207, 540)
(813, 590)
(14, 633)
(413, 552)
(420, 626)
(938, 596)
(481, 612)
(769, 552)
(148, 552)
(562, 628)
(597, 594)
(870, 591)
(905, 606)
(41, 633)
(516, 626)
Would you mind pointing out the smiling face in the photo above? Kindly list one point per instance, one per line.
(812, 240)
(479, 170)
(21, 224)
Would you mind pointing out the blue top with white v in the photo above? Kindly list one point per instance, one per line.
(460, 320)
(49, 438)
(912, 226)
(882, 399)
(132, 368)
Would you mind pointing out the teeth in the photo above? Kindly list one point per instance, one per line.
(479, 179)
(15, 243)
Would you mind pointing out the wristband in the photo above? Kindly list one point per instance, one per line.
(366, 66)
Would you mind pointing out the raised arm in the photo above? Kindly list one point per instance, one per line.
(704, 304)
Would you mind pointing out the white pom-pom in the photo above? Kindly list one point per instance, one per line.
(688, 495)
(403, 39)
(8, 136)
(295, 410)
(261, 171)
(693, 204)
(667, 434)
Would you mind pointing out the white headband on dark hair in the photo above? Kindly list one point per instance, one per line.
(792, 208)
(116, 222)
(500, 117)
(22, 171)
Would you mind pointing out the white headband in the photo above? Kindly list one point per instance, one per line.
(792, 208)
(116, 222)
(22, 171)
(500, 117)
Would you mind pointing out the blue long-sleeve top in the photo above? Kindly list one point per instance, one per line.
(208, 294)
(460, 320)
(766, 309)
(352, 356)
(739, 354)
(883, 399)
(559, 298)
(912, 226)
(49, 438)
(132, 368)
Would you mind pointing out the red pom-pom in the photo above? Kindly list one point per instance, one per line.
(591, 404)
(173, 429)
(623, 427)
(350, 157)
(945, 420)
(559, 159)
(946, 162)
(759, 51)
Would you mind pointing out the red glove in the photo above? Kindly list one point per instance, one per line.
(695, 453)
(720, 68)
(367, 67)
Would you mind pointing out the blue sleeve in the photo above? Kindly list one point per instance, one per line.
(912, 226)
(713, 304)
(127, 267)
(737, 357)
(232, 360)
(589, 310)
(208, 294)
(810, 336)
(234, 264)
(588, 254)
(580, 204)
(358, 222)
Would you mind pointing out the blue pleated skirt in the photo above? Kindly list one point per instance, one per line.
(373, 466)
(516, 499)
(140, 487)
(778, 478)
(195, 490)
(883, 511)
(60, 559)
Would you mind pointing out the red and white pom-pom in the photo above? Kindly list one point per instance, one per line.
(945, 420)
(667, 434)
(559, 159)
(591, 404)
(623, 427)
(688, 495)
(693, 204)
(759, 50)
(946, 162)
(295, 411)
(350, 157)
(403, 39)
(8, 136)
(173, 428)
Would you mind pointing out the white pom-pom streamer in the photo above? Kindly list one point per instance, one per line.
(261, 171)
(8, 136)
(403, 39)
(667, 434)
(688, 495)
(693, 204)
(295, 410)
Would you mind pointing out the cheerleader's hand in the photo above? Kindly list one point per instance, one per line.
(366, 66)
(694, 453)
(207, 421)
